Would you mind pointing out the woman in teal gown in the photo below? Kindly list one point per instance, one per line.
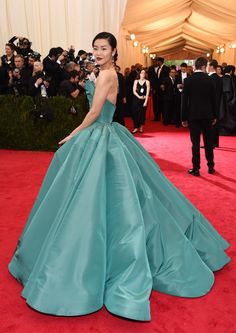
(107, 226)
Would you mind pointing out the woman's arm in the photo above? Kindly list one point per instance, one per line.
(134, 89)
(103, 85)
(147, 93)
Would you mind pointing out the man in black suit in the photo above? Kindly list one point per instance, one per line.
(169, 97)
(162, 73)
(217, 81)
(181, 76)
(199, 113)
(153, 78)
(53, 65)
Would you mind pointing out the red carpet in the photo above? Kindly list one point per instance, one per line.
(21, 174)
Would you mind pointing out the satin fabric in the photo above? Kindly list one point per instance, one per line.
(108, 226)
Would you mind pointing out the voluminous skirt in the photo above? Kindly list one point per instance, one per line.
(107, 227)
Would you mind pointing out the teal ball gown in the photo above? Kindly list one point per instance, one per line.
(107, 227)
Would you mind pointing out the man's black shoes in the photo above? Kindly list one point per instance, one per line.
(194, 172)
(211, 170)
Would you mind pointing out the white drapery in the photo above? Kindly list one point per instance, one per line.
(170, 28)
(49, 23)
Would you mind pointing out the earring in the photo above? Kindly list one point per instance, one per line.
(113, 57)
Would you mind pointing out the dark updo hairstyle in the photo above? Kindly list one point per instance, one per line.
(12, 46)
(111, 40)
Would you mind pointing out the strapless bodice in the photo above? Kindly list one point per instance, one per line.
(108, 108)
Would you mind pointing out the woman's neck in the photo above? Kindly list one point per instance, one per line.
(108, 65)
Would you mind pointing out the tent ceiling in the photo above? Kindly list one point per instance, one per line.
(171, 26)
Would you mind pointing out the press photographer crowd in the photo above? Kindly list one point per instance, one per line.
(23, 72)
(62, 72)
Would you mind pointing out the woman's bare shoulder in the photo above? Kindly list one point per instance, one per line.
(107, 74)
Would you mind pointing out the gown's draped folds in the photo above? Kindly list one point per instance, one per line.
(107, 227)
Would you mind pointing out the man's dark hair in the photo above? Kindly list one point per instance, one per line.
(53, 52)
(184, 64)
(81, 52)
(227, 69)
(213, 63)
(200, 62)
(160, 59)
(73, 74)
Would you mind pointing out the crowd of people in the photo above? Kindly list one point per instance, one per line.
(23, 72)
(61, 72)
(166, 83)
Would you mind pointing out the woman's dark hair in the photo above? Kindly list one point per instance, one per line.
(138, 75)
(12, 46)
(111, 40)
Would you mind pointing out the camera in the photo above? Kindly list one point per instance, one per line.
(35, 55)
(24, 42)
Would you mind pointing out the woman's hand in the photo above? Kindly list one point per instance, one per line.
(67, 138)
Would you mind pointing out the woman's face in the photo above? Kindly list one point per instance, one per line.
(102, 51)
(8, 50)
(218, 71)
(142, 74)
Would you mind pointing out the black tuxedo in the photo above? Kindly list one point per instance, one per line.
(199, 97)
(177, 116)
(129, 82)
(36, 91)
(162, 73)
(227, 123)
(53, 70)
(217, 81)
(199, 109)
(153, 78)
(169, 100)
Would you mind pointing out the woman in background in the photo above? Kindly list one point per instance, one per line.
(141, 89)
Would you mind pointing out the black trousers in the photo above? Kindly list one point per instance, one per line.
(138, 112)
(169, 108)
(215, 135)
(159, 114)
(155, 106)
(196, 127)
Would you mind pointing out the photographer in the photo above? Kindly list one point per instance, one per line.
(89, 71)
(8, 58)
(81, 57)
(69, 88)
(39, 84)
(71, 53)
(53, 65)
(19, 77)
(22, 47)
(34, 56)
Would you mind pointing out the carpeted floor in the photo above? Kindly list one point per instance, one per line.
(21, 173)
